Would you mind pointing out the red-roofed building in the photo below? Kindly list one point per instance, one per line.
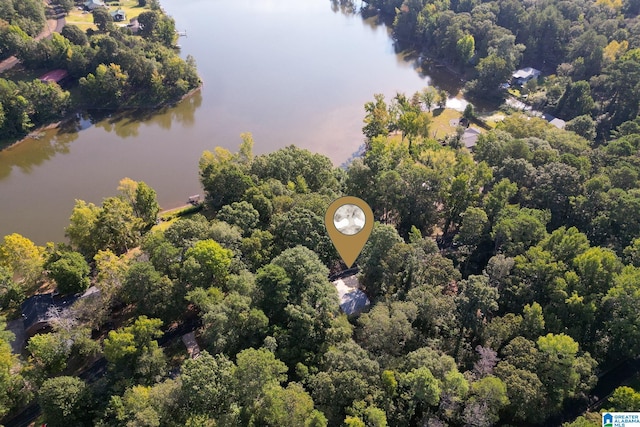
(54, 76)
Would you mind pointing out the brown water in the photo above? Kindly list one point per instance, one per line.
(289, 71)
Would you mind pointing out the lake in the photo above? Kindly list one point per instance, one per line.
(288, 71)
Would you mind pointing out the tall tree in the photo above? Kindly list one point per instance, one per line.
(105, 87)
(21, 256)
(102, 18)
(65, 401)
(256, 372)
(207, 264)
(146, 205)
(70, 271)
(116, 226)
(82, 227)
(492, 72)
(208, 385)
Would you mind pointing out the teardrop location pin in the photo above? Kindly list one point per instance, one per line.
(349, 221)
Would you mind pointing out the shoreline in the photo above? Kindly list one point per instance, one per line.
(34, 134)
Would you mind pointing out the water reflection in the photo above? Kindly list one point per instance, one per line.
(346, 7)
(126, 124)
(43, 146)
(270, 81)
(40, 148)
(427, 69)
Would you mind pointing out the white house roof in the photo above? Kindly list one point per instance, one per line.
(526, 73)
(94, 3)
(352, 299)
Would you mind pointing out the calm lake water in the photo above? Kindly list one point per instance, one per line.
(288, 71)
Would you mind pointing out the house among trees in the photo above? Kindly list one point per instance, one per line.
(36, 310)
(470, 138)
(134, 25)
(119, 15)
(352, 299)
(91, 5)
(54, 76)
(559, 123)
(524, 75)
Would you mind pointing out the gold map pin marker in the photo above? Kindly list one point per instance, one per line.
(349, 221)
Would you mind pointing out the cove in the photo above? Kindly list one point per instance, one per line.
(288, 71)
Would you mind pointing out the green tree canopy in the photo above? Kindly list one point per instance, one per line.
(207, 264)
(64, 401)
(70, 271)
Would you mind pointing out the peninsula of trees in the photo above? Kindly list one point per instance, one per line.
(110, 68)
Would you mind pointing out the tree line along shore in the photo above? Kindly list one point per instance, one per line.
(110, 67)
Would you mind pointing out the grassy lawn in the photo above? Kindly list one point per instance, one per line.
(170, 216)
(440, 125)
(492, 119)
(81, 19)
(164, 225)
(84, 20)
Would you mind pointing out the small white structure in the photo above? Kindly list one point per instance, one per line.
(523, 75)
(90, 5)
(352, 299)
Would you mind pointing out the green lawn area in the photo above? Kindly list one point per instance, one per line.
(170, 216)
(492, 119)
(81, 19)
(440, 124)
(164, 225)
(84, 20)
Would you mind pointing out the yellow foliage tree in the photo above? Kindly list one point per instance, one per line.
(611, 4)
(21, 256)
(615, 49)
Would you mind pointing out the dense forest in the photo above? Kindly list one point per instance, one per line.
(502, 284)
(588, 50)
(108, 68)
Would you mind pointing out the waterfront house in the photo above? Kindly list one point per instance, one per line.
(91, 5)
(36, 310)
(524, 75)
(119, 15)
